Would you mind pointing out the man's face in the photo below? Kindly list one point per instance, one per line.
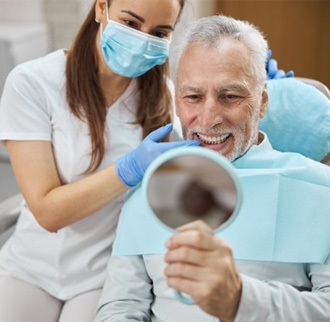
(217, 98)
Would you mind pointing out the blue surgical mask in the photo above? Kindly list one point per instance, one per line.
(129, 52)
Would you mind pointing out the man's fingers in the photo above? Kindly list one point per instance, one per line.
(197, 225)
(199, 239)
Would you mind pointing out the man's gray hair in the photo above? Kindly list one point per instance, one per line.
(211, 30)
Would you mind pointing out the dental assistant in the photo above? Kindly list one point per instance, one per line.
(73, 122)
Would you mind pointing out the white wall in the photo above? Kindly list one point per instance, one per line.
(24, 33)
(65, 18)
(32, 28)
(21, 11)
(204, 7)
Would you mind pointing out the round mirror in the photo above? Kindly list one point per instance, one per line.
(192, 183)
(188, 184)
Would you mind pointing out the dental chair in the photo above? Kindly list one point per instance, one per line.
(297, 120)
(325, 90)
(317, 84)
(298, 117)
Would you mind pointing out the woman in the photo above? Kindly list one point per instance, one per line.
(69, 121)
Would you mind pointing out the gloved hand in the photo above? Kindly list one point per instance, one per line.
(131, 166)
(272, 71)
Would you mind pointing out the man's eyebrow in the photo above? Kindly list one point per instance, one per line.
(142, 20)
(234, 87)
(183, 89)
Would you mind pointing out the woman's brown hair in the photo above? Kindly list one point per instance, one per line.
(87, 102)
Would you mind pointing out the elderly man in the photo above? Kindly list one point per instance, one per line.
(220, 96)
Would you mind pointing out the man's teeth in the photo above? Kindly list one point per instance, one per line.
(213, 139)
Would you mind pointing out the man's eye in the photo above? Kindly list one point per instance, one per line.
(229, 97)
(232, 97)
(193, 97)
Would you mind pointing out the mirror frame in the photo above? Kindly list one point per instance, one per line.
(210, 155)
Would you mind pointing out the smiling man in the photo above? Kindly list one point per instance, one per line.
(274, 265)
(221, 93)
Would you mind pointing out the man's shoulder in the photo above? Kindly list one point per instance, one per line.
(259, 156)
(259, 161)
(294, 159)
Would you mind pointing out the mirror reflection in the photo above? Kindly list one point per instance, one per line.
(191, 187)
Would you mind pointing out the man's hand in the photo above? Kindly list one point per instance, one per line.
(202, 265)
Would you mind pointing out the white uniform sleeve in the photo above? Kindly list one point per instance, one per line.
(127, 292)
(24, 113)
(274, 301)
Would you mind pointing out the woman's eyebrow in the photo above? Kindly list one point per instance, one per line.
(142, 20)
(134, 15)
(165, 27)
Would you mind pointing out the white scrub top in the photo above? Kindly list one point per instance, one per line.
(33, 107)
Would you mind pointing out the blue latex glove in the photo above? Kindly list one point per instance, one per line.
(131, 166)
(272, 70)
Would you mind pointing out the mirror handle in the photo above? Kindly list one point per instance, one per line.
(185, 299)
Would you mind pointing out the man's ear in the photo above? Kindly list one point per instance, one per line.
(264, 102)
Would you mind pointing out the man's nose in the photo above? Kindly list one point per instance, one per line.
(211, 113)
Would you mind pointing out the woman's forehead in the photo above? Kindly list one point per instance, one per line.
(156, 11)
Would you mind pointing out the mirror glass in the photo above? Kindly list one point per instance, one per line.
(185, 188)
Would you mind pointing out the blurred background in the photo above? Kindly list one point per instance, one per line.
(297, 31)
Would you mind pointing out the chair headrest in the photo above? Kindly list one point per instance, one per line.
(297, 118)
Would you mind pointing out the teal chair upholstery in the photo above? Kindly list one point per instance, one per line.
(298, 117)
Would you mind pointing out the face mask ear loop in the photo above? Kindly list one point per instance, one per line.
(101, 29)
(107, 13)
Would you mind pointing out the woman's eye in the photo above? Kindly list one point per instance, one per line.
(160, 34)
(131, 24)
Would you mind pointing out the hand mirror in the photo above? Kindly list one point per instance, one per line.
(192, 183)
